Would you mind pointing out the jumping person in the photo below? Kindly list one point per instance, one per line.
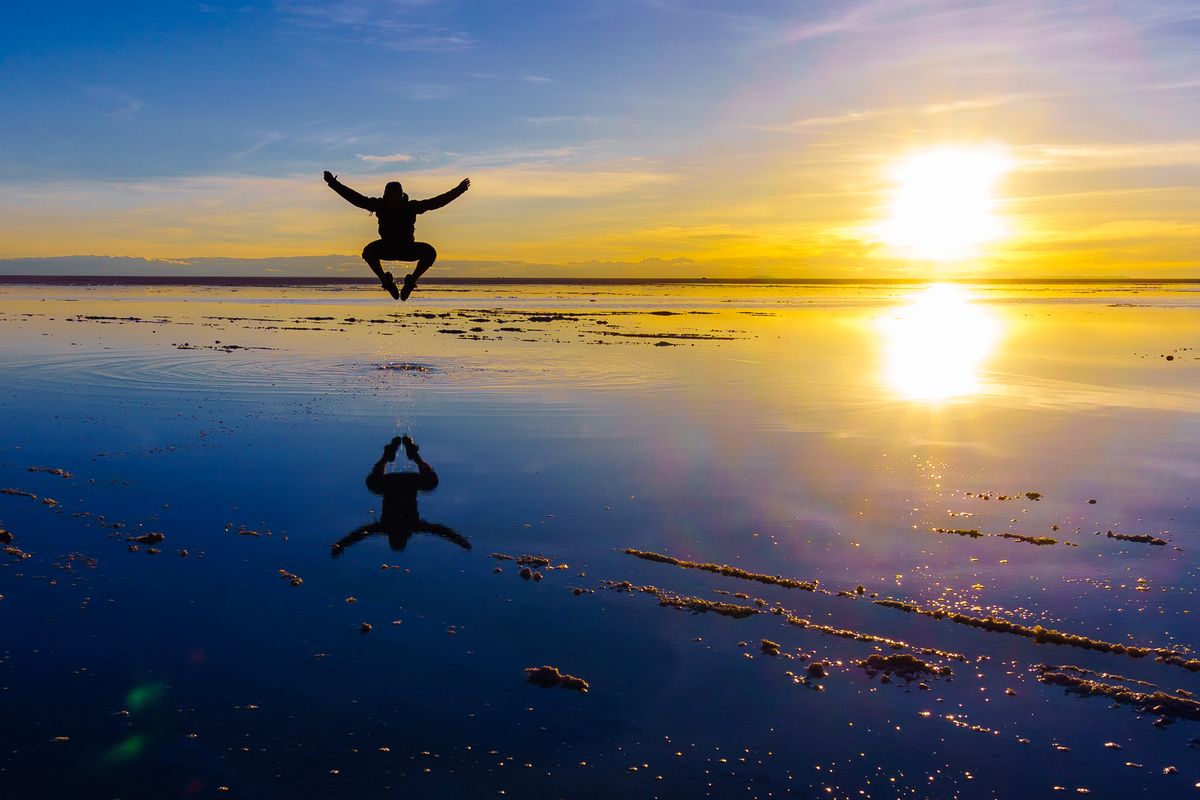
(397, 230)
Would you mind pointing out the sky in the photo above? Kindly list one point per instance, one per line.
(630, 137)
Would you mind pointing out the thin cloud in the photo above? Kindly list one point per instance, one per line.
(860, 17)
(426, 91)
(558, 119)
(1026, 23)
(511, 157)
(528, 77)
(122, 104)
(313, 141)
(692, 9)
(295, 215)
(927, 109)
(539, 181)
(1109, 156)
(1138, 229)
(1179, 86)
(876, 15)
(265, 140)
(394, 158)
(840, 119)
(403, 25)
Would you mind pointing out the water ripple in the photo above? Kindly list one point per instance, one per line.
(209, 372)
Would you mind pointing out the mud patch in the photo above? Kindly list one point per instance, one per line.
(548, 677)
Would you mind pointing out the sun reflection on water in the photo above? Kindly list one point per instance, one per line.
(935, 344)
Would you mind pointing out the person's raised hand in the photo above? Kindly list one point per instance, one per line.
(466, 184)
(329, 177)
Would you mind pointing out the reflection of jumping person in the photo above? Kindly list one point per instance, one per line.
(397, 230)
(400, 518)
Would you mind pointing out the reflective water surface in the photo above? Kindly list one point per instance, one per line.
(793, 459)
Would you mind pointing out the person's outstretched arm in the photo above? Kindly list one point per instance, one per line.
(412, 450)
(429, 478)
(353, 537)
(348, 194)
(389, 455)
(443, 199)
(444, 531)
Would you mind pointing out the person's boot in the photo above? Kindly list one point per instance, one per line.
(410, 283)
(389, 283)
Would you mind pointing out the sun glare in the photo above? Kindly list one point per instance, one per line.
(936, 343)
(942, 207)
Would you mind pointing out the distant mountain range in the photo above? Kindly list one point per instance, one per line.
(351, 269)
(348, 266)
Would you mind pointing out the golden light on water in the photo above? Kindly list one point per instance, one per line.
(942, 207)
(935, 344)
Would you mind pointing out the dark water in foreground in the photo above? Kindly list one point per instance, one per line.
(815, 433)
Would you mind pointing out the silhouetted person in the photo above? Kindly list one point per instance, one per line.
(400, 518)
(397, 230)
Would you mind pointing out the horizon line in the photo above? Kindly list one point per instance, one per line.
(257, 280)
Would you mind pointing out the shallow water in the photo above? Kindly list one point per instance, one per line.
(815, 433)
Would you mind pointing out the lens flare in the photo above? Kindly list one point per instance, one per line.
(141, 697)
(127, 749)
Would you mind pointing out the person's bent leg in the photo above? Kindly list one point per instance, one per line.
(373, 253)
(426, 255)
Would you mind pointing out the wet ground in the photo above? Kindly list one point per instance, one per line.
(840, 541)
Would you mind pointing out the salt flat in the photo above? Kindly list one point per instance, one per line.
(893, 470)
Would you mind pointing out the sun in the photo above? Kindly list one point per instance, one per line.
(942, 206)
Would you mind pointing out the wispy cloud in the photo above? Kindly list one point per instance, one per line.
(498, 77)
(266, 139)
(1109, 156)
(505, 157)
(1023, 24)
(425, 91)
(1124, 230)
(405, 25)
(926, 109)
(841, 19)
(314, 141)
(391, 159)
(247, 215)
(121, 104)
(691, 8)
(581, 119)
(537, 181)
(1178, 86)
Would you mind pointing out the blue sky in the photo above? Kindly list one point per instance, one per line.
(140, 90)
(755, 139)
